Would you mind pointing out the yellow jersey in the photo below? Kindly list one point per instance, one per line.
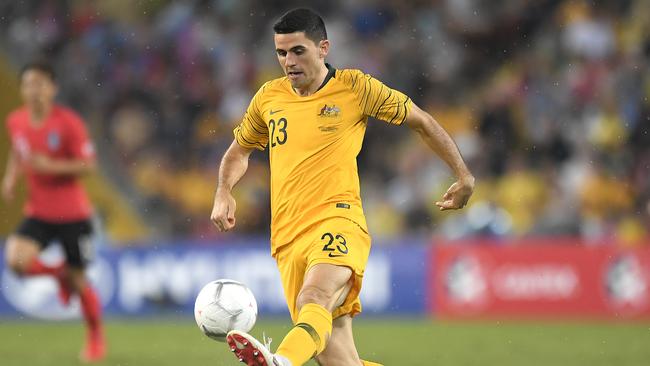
(313, 145)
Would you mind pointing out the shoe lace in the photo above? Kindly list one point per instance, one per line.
(267, 341)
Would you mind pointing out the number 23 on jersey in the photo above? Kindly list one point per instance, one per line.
(278, 131)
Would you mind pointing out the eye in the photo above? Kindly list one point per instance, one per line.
(281, 53)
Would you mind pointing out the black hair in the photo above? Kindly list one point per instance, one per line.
(41, 66)
(302, 20)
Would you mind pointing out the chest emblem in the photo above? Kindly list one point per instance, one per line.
(53, 140)
(329, 111)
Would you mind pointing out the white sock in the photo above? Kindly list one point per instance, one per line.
(281, 360)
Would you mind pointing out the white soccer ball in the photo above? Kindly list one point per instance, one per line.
(225, 305)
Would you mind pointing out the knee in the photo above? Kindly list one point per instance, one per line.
(16, 264)
(16, 261)
(20, 253)
(325, 359)
(341, 356)
(314, 295)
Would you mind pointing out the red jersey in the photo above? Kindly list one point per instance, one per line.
(62, 135)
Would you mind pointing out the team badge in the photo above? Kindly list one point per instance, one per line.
(328, 111)
(53, 140)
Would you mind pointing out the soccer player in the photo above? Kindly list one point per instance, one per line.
(313, 121)
(49, 144)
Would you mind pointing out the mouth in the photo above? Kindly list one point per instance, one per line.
(294, 74)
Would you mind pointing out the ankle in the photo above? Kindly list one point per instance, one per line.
(281, 360)
(95, 332)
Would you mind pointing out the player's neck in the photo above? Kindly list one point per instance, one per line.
(315, 85)
(37, 114)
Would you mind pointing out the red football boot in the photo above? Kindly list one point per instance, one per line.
(250, 351)
(95, 349)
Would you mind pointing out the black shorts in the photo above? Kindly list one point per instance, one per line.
(75, 238)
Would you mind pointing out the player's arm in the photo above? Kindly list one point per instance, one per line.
(75, 166)
(233, 166)
(12, 172)
(442, 144)
(250, 134)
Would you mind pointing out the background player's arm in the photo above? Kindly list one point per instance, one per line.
(75, 166)
(233, 166)
(12, 172)
(441, 143)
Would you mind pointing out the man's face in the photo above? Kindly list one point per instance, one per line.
(37, 89)
(301, 59)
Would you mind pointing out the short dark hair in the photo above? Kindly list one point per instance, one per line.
(39, 65)
(302, 20)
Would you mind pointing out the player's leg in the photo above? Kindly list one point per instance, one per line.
(76, 241)
(91, 309)
(341, 349)
(23, 249)
(24, 246)
(330, 289)
(333, 256)
(21, 256)
(323, 285)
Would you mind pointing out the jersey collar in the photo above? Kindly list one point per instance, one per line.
(330, 74)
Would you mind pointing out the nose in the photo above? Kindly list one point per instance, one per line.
(289, 60)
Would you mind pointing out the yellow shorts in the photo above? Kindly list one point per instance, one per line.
(336, 240)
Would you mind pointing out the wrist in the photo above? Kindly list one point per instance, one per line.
(223, 190)
(466, 179)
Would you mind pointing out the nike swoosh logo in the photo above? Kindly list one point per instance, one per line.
(274, 112)
(334, 255)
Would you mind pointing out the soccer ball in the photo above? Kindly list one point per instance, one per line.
(225, 305)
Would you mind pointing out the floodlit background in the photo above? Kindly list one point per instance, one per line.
(548, 101)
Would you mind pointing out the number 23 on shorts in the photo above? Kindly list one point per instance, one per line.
(335, 245)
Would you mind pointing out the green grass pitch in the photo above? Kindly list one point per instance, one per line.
(408, 342)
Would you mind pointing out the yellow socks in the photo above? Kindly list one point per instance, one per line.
(308, 337)
(368, 363)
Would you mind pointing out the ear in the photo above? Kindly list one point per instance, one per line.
(323, 48)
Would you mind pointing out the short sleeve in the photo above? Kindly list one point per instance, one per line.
(376, 99)
(252, 132)
(79, 144)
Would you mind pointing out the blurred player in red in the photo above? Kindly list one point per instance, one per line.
(49, 144)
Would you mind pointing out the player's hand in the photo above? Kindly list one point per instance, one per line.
(457, 195)
(223, 211)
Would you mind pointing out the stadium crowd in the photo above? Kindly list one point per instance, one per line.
(548, 101)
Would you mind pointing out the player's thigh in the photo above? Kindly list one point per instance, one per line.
(20, 251)
(340, 349)
(336, 264)
(324, 284)
(76, 239)
(26, 243)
